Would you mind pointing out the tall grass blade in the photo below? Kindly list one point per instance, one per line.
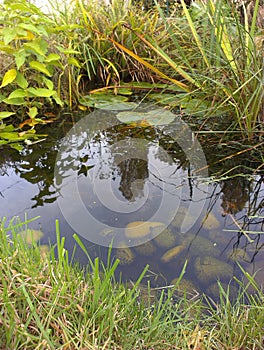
(194, 33)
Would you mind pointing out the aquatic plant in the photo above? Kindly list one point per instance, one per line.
(214, 58)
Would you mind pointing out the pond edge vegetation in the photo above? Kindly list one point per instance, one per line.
(47, 302)
(205, 60)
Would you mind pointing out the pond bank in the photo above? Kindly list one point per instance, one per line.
(47, 303)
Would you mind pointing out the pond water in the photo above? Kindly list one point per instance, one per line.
(146, 190)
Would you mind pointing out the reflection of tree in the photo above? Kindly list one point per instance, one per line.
(132, 170)
(36, 164)
(235, 194)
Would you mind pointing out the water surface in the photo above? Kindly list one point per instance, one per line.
(99, 180)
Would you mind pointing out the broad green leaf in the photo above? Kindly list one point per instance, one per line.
(4, 115)
(48, 83)
(74, 62)
(157, 116)
(34, 46)
(9, 128)
(9, 77)
(115, 106)
(9, 34)
(14, 101)
(21, 33)
(57, 100)
(7, 48)
(52, 57)
(17, 94)
(10, 136)
(33, 112)
(20, 58)
(40, 92)
(67, 51)
(21, 7)
(41, 67)
(17, 146)
(43, 44)
(30, 27)
(21, 80)
(102, 99)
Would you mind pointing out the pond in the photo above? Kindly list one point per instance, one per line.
(145, 189)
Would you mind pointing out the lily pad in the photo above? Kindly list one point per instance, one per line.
(158, 116)
(115, 106)
(107, 101)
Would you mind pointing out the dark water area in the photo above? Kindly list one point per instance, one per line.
(148, 191)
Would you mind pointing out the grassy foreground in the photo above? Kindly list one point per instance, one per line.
(46, 302)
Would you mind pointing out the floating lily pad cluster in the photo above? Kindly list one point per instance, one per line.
(129, 112)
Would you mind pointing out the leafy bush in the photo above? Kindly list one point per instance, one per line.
(32, 67)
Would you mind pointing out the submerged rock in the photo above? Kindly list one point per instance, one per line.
(214, 290)
(140, 229)
(208, 269)
(197, 245)
(166, 239)
(238, 254)
(185, 286)
(172, 253)
(146, 249)
(181, 216)
(125, 255)
(219, 236)
(210, 222)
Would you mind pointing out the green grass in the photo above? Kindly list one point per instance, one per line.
(215, 58)
(47, 302)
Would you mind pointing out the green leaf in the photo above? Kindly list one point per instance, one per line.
(9, 34)
(48, 83)
(115, 106)
(157, 116)
(40, 92)
(20, 58)
(33, 112)
(17, 94)
(106, 101)
(14, 101)
(40, 67)
(57, 100)
(4, 115)
(37, 46)
(30, 27)
(52, 57)
(10, 136)
(67, 51)
(9, 77)
(7, 48)
(17, 146)
(74, 62)
(21, 80)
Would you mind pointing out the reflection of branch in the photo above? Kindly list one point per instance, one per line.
(164, 181)
(229, 157)
(240, 229)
